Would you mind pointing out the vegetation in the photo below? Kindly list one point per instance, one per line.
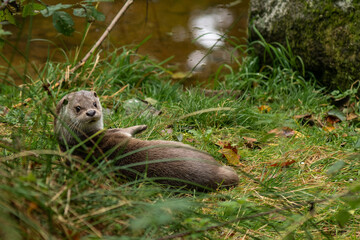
(62, 21)
(295, 151)
(315, 26)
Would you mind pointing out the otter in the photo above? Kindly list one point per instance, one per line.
(79, 119)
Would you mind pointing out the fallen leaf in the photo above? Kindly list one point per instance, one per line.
(329, 128)
(249, 139)
(305, 119)
(331, 120)
(229, 152)
(264, 108)
(251, 142)
(351, 116)
(286, 132)
(181, 75)
(32, 206)
(336, 115)
(227, 145)
(283, 164)
(232, 157)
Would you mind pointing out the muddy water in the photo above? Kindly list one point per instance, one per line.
(195, 33)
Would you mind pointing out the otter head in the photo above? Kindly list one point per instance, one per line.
(78, 113)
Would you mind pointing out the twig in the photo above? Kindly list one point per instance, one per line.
(299, 205)
(103, 36)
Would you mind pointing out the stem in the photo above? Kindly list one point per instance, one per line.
(103, 36)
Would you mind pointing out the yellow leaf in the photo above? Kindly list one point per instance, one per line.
(298, 134)
(230, 155)
(180, 75)
(329, 128)
(264, 108)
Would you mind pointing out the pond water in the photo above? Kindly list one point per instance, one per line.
(196, 34)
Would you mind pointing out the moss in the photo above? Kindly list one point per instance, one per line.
(325, 35)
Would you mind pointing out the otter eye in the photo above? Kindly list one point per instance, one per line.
(95, 105)
(78, 108)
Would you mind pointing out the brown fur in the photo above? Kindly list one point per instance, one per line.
(170, 162)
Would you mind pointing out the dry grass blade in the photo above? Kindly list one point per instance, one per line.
(33, 153)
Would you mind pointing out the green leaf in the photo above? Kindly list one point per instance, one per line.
(6, 16)
(337, 113)
(342, 217)
(92, 1)
(335, 167)
(50, 10)
(90, 12)
(63, 23)
(99, 16)
(79, 12)
(31, 9)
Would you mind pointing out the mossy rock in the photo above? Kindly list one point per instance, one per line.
(325, 34)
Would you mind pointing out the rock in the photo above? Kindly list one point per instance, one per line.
(325, 34)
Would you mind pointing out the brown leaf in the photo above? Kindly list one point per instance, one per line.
(351, 116)
(283, 164)
(251, 142)
(32, 206)
(305, 119)
(330, 119)
(286, 132)
(226, 145)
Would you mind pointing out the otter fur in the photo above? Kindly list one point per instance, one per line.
(80, 118)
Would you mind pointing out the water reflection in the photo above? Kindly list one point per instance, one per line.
(197, 61)
(208, 27)
(191, 31)
(209, 32)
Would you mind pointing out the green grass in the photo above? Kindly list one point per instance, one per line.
(45, 194)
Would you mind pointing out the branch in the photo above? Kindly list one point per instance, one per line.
(103, 36)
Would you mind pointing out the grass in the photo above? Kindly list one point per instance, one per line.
(303, 185)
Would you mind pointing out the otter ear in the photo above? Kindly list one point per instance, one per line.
(95, 95)
(62, 102)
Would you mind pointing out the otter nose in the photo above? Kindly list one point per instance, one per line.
(90, 113)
